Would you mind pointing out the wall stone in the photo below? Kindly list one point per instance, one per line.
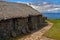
(17, 26)
(21, 25)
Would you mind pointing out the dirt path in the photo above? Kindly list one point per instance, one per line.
(45, 38)
(37, 35)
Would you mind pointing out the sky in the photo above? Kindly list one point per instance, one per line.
(49, 8)
(36, 1)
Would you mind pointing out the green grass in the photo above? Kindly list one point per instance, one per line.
(54, 32)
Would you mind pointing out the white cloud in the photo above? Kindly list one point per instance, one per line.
(57, 9)
(48, 8)
(53, 9)
(45, 3)
(20, 2)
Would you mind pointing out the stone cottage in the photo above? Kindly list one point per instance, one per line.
(18, 18)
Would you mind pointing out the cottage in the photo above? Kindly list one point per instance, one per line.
(18, 18)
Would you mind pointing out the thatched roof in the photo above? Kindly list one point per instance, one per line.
(12, 10)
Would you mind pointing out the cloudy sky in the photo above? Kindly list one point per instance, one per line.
(54, 5)
(36, 1)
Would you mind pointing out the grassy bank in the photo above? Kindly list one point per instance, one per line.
(54, 32)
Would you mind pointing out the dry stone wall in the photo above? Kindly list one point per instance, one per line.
(17, 26)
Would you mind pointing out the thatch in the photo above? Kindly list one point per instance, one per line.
(12, 10)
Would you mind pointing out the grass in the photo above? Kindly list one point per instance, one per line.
(54, 32)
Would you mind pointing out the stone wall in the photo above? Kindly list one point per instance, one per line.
(18, 26)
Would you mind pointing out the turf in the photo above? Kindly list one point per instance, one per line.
(54, 32)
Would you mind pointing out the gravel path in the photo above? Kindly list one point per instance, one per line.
(37, 35)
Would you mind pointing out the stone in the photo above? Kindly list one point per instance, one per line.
(18, 26)
(24, 30)
(13, 34)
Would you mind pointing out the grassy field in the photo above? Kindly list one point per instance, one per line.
(54, 32)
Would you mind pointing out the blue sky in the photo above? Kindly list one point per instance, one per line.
(36, 1)
(20, 0)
